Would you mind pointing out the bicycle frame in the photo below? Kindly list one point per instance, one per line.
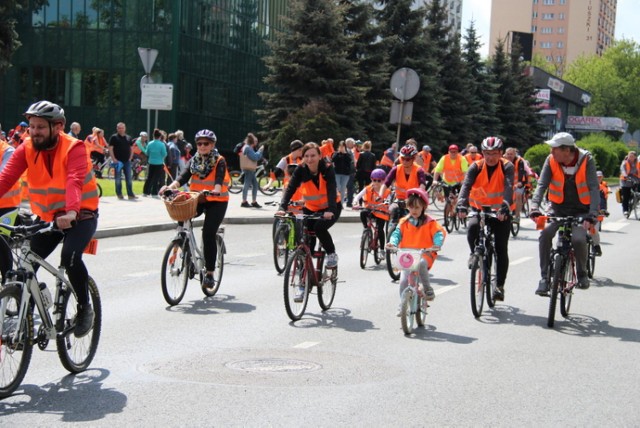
(413, 302)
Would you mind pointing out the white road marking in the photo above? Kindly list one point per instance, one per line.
(306, 345)
(141, 274)
(132, 248)
(443, 290)
(520, 260)
(248, 255)
(614, 226)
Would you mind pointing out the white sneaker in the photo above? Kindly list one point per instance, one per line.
(332, 260)
(299, 296)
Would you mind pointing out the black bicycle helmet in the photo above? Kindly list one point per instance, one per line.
(46, 110)
(295, 145)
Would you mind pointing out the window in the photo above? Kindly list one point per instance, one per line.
(549, 58)
(545, 45)
(547, 16)
(560, 45)
(563, 1)
(549, 2)
(535, 14)
(559, 59)
(546, 30)
(534, 28)
(561, 16)
(560, 30)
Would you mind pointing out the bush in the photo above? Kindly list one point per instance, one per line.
(536, 155)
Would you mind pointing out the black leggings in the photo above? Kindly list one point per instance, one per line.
(214, 213)
(501, 230)
(155, 177)
(321, 228)
(75, 241)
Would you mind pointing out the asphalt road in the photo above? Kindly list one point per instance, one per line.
(236, 360)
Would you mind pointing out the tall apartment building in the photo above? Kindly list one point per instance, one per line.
(562, 29)
(454, 9)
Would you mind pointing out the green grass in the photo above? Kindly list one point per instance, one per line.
(109, 187)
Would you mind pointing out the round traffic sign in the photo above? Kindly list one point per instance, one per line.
(405, 83)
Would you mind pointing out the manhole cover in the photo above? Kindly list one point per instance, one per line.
(273, 365)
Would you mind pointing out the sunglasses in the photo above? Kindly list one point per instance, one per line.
(377, 181)
(203, 144)
(406, 159)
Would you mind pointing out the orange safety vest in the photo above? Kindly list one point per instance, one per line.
(199, 184)
(386, 160)
(488, 192)
(375, 202)
(556, 185)
(96, 144)
(452, 169)
(604, 188)
(290, 160)
(426, 160)
(315, 198)
(403, 184)
(47, 192)
(471, 160)
(326, 150)
(420, 237)
(627, 168)
(10, 199)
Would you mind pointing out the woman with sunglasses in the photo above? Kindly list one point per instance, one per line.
(207, 170)
(317, 179)
(406, 176)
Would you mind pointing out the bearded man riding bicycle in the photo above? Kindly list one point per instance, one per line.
(62, 188)
(489, 183)
(569, 174)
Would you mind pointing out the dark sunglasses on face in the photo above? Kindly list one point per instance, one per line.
(377, 181)
(203, 144)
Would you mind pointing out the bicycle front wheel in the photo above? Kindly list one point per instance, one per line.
(491, 276)
(436, 196)
(327, 290)
(566, 294)
(99, 189)
(556, 283)
(236, 185)
(477, 288)
(16, 342)
(515, 226)
(394, 272)
(406, 315)
(636, 206)
(281, 247)
(296, 285)
(421, 311)
(448, 224)
(525, 207)
(76, 353)
(271, 189)
(217, 273)
(365, 244)
(175, 271)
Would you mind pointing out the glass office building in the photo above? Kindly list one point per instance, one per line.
(83, 54)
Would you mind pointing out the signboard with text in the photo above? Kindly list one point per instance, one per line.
(596, 123)
(158, 96)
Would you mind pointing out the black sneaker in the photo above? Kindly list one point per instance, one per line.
(543, 288)
(498, 295)
(245, 204)
(583, 283)
(84, 320)
(597, 250)
(256, 205)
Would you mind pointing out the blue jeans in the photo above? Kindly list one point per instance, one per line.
(250, 180)
(341, 184)
(126, 168)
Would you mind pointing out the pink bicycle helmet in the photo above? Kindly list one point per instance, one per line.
(422, 194)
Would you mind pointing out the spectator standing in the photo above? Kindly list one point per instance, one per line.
(351, 149)
(173, 158)
(74, 130)
(121, 153)
(365, 165)
(156, 151)
(342, 163)
(182, 146)
(248, 164)
(139, 147)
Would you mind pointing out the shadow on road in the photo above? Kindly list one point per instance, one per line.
(334, 318)
(76, 398)
(431, 333)
(214, 304)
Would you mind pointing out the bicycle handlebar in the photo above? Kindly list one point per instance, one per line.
(30, 230)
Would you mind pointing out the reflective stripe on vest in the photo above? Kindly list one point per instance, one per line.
(208, 183)
(315, 198)
(556, 184)
(403, 184)
(489, 192)
(452, 169)
(10, 199)
(47, 191)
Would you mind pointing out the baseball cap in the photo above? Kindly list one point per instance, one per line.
(562, 139)
(599, 174)
(453, 147)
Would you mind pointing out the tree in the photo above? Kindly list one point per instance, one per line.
(405, 38)
(9, 40)
(481, 97)
(613, 81)
(309, 64)
(372, 62)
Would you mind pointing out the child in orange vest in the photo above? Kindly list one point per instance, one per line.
(418, 230)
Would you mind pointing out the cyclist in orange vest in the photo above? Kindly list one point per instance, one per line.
(406, 176)
(451, 169)
(293, 158)
(472, 154)
(629, 179)
(207, 170)
(569, 174)
(62, 189)
(9, 203)
(520, 178)
(489, 184)
(375, 202)
(418, 230)
(317, 179)
(388, 159)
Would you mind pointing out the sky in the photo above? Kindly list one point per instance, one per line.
(628, 14)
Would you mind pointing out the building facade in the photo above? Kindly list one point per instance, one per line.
(562, 29)
(454, 14)
(83, 55)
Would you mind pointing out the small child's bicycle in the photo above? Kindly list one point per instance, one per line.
(413, 302)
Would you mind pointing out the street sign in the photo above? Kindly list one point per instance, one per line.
(405, 84)
(158, 96)
(401, 112)
(148, 57)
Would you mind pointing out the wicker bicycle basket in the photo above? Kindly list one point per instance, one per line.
(182, 208)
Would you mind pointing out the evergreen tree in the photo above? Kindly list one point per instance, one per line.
(481, 98)
(455, 109)
(404, 35)
(371, 59)
(508, 111)
(9, 41)
(309, 64)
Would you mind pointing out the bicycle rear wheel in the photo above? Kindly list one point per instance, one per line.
(175, 271)
(99, 189)
(557, 281)
(365, 244)
(477, 288)
(448, 223)
(327, 290)
(378, 252)
(570, 279)
(76, 353)
(394, 273)
(236, 185)
(406, 317)
(296, 278)
(491, 276)
(15, 348)
(272, 189)
(436, 197)
(591, 258)
(281, 247)
(217, 273)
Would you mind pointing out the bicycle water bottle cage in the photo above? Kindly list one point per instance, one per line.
(19, 275)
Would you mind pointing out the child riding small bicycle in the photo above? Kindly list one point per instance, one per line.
(378, 205)
(418, 230)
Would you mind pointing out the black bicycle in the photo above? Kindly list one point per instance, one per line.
(483, 265)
